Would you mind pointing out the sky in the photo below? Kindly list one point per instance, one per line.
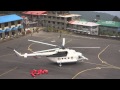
(115, 13)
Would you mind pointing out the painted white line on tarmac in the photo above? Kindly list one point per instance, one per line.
(86, 47)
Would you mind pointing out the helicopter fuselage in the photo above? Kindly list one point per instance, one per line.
(66, 56)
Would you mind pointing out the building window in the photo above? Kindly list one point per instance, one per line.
(94, 27)
(19, 22)
(58, 23)
(85, 27)
(12, 23)
(53, 22)
(62, 28)
(6, 24)
(69, 19)
(62, 18)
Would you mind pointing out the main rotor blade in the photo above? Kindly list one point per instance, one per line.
(42, 51)
(63, 43)
(42, 43)
(84, 47)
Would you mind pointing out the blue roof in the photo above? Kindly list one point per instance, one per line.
(9, 18)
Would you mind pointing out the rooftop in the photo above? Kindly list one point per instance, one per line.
(34, 12)
(9, 18)
(68, 15)
(84, 23)
(109, 23)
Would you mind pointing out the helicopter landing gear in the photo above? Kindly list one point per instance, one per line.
(60, 64)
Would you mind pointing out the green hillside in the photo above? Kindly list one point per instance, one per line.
(90, 15)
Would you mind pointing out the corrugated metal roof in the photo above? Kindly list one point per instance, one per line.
(83, 23)
(34, 12)
(9, 18)
(109, 23)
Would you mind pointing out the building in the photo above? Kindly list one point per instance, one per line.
(109, 27)
(62, 20)
(58, 20)
(83, 27)
(33, 15)
(33, 18)
(10, 25)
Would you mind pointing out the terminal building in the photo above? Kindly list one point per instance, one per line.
(10, 25)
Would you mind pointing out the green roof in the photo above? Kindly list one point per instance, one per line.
(109, 23)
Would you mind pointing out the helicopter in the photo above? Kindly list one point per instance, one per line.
(59, 54)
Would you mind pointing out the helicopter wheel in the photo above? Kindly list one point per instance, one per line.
(60, 64)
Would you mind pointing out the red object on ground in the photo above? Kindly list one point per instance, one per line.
(38, 72)
(33, 72)
(42, 71)
(45, 71)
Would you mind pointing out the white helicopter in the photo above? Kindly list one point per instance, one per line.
(59, 55)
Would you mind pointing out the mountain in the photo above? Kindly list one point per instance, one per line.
(90, 15)
(10, 12)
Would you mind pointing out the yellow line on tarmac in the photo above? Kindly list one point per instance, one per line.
(30, 48)
(83, 71)
(115, 67)
(89, 70)
(101, 53)
(8, 71)
(68, 41)
(95, 63)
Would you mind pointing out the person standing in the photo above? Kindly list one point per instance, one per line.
(60, 34)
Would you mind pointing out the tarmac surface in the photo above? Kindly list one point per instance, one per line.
(103, 63)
